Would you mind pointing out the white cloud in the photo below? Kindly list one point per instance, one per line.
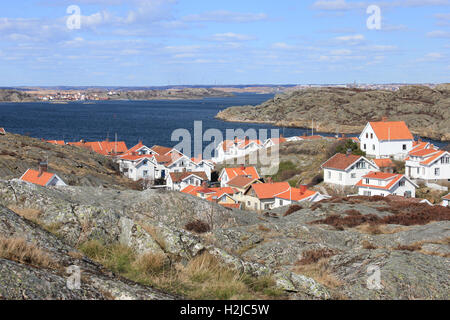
(438, 34)
(230, 36)
(225, 16)
(343, 5)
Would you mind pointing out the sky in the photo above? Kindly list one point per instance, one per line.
(199, 42)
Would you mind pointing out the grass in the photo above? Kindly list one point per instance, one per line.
(17, 249)
(320, 272)
(27, 213)
(203, 277)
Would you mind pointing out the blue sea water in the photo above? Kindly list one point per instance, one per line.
(150, 121)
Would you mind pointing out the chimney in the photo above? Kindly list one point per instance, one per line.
(384, 119)
(242, 168)
(43, 167)
(303, 189)
(349, 152)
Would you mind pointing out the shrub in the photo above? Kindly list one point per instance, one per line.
(292, 209)
(197, 226)
(313, 256)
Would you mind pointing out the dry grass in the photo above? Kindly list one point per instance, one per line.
(379, 229)
(263, 228)
(27, 213)
(156, 235)
(292, 209)
(320, 272)
(197, 226)
(368, 245)
(203, 277)
(17, 249)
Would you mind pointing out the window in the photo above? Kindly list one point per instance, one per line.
(408, 194)
(402, 183)
(367, 181)
(371, 136)
(373, 147)
(365, 147)
(340, 176)
(145, 173)
(437, 172)
(367, 193)
(404, 147)
(367, 136)
(418, 170)
(329, 174)
(353, 175)
(445, 160)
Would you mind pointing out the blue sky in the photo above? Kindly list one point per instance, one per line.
(169, 42)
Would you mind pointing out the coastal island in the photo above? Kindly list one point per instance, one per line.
(346, 110)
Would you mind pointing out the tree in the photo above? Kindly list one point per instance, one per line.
(349, 144)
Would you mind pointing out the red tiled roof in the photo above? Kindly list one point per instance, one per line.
(192, 190)
(269, 190)
(447, 197)
(105, 148)
(32, 176)
(341, 161)
(227, 190)
(434, 157)
(162, 151)
(296, 194)
(391, 130)
(384, 163)
(394, 178)
(423, 152)
(134, 157)
(180, 176)
(244, 171)
(241, 181)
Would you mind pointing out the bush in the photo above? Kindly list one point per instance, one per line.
(342, 147)
(292, 209)
(197, 226)
(17, 249)
(313, 256)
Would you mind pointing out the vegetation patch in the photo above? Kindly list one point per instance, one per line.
(203, 277)
(292, 209)
(313, 256)
(17, 249)
(197, 226)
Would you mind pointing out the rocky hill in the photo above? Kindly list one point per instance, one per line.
(76, 166)
(15, 96)
(323, 251)
(425, 110)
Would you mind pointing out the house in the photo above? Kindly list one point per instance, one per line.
(231, 149)
(206, 166)
(428, 164)
(138, 167)
(221, 196)
(446, 201)
(2, 132)
(296, 196)
(228, 174)
(385, 165)
(346, 169)
(240, 185)
(384, 184)
(386, 139)
(178, 181)
(261, 196)
(42, 177)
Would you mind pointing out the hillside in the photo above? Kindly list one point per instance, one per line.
(321, 251)
(15, 96)
(76, 166)
(425, 110)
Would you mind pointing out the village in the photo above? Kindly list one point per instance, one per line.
(243, 187)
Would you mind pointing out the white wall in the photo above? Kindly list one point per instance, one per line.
(383, 149)
(347, 178)
(428, 172)
(397, 190)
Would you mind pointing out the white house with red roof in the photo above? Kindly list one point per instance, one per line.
(42, 177)
(386, 139)
(385, 184)
(2, 132)
(446, 201)
(231, 149)
(178, 181)
(428, 164)
(346, 169)
(296, 196)
(228, 174)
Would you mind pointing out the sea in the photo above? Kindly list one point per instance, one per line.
(152, 122)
